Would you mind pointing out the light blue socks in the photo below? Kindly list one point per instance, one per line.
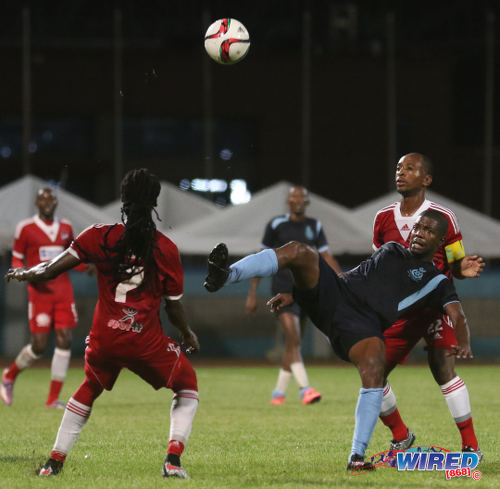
(367, 411)
(262, 264)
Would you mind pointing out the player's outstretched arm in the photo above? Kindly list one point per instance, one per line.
(177, 316)
(44, 271)
(462, 349)
(470, 266)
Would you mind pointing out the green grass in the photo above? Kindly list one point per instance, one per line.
(238, 439)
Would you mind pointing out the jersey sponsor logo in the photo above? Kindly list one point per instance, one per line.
(127, 322)
(405, 228)
(42, 320)
(309, 233)
(416, 274)
(64, 235)
(49, 252)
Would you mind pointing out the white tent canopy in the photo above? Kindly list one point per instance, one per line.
(242, 227)
(175, 208)
(481, 233)
(17, 202)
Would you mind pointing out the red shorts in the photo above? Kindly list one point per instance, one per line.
(403, 335)
(43, 315)
(167, 366)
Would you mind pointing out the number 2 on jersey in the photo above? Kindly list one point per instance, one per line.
(129, 284)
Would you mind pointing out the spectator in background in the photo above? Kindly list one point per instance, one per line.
(294, 226)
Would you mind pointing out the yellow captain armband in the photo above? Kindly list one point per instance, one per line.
(454, 251)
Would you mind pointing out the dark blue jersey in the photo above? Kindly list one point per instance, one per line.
(393, 283)
(281, 230)
(369, 298)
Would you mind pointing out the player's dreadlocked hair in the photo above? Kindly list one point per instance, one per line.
(135, 247)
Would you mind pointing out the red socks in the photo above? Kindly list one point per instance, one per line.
(175, 447)
(467, 433)
(394, 422)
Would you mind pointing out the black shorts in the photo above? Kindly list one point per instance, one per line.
(334, 312)
(282, 283)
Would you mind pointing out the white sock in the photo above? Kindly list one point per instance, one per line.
(284, 377)
(74, 419)
(457, 397)
(299, 373)
(388, 401)
(60, 364)
(182, 413)
(26, 357)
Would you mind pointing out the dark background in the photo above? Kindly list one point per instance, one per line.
(257, 105)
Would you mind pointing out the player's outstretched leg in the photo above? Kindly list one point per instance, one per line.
(301, 259)
(263, 264)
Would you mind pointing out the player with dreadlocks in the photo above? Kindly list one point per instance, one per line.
(137, 266)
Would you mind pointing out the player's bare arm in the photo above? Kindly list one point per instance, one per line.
(177, 316)
(44, 271)
(462, 349)
(470, 266)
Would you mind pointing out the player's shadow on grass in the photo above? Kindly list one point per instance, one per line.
(16, 458)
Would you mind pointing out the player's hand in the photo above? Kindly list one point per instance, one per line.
(279, 301)
(190, 341)
(91, 269)
(461, 351)
(251, 305)
(471, 266)
(16, 274)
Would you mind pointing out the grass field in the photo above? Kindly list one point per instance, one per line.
(238, 439)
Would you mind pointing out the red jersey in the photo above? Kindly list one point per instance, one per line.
(390, 225)
(125, 322)
(37, 241)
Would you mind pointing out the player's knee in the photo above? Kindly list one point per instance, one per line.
(185, 379)
(39, 344)
(63, 339)
(299, 252)
(88, 392)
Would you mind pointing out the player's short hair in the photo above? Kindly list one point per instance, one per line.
(427, 164)
(439, 218)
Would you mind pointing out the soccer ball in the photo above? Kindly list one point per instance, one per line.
(227, 41)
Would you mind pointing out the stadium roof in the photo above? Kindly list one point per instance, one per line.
(17, 201)
(242, 227)
(481, 233)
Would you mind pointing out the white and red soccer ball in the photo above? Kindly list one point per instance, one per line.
(227, 41)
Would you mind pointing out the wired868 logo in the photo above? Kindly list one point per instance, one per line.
(430, 458)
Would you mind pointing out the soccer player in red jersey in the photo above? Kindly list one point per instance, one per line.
(51, 305)
(137, 267)
(394, 223)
